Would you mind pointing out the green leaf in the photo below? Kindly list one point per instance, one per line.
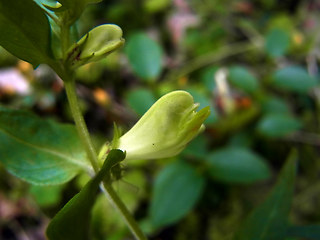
(176, 190)
(46, 196)
(39, 151)
(145, 56)
(140, 100)
(277, 42)
(243, 79)
(293, 78)
(275, 105)
(269, 220)
(197, 148)
(25, 31)
(237, 165)
(207, 78)
(306, 232)
(278, 125)
(73, 220)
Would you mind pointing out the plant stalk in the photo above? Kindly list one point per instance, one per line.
(126, 215)
(80, 124)
(92, 155)
(68, 76)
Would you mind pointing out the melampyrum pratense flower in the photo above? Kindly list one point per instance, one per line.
(165, 129)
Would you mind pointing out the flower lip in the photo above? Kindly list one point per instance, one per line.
(166, 128)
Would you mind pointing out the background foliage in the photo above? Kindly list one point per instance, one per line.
(255, 63)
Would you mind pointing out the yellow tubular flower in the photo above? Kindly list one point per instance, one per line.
(165, 129)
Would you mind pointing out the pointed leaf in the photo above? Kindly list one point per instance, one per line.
(25, 31)
(269, 220)
(73, 220)
(39, 151)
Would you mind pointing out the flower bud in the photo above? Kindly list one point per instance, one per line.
(165, 129)
(95, 45)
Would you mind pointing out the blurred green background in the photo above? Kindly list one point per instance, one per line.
(255, 63)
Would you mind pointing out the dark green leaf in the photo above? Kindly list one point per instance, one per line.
(73, 220)
(25, 31)
(177, 189)
(275, 105)
(269, 220)
(241, 139)
(278, 125)
(243, 79)
(39, 151)
(293, 78)
(140, 100)
(305, 232)
(237, 165)
(145, 56)
(277, 42)
(197, 147)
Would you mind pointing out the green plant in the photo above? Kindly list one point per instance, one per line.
(45, 152)
(254, 63)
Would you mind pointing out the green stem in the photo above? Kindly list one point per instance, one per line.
(80, 124)
(92, 155)
(67, 75)
(127, 217)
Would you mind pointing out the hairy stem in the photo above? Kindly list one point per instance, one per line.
(80, 124)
